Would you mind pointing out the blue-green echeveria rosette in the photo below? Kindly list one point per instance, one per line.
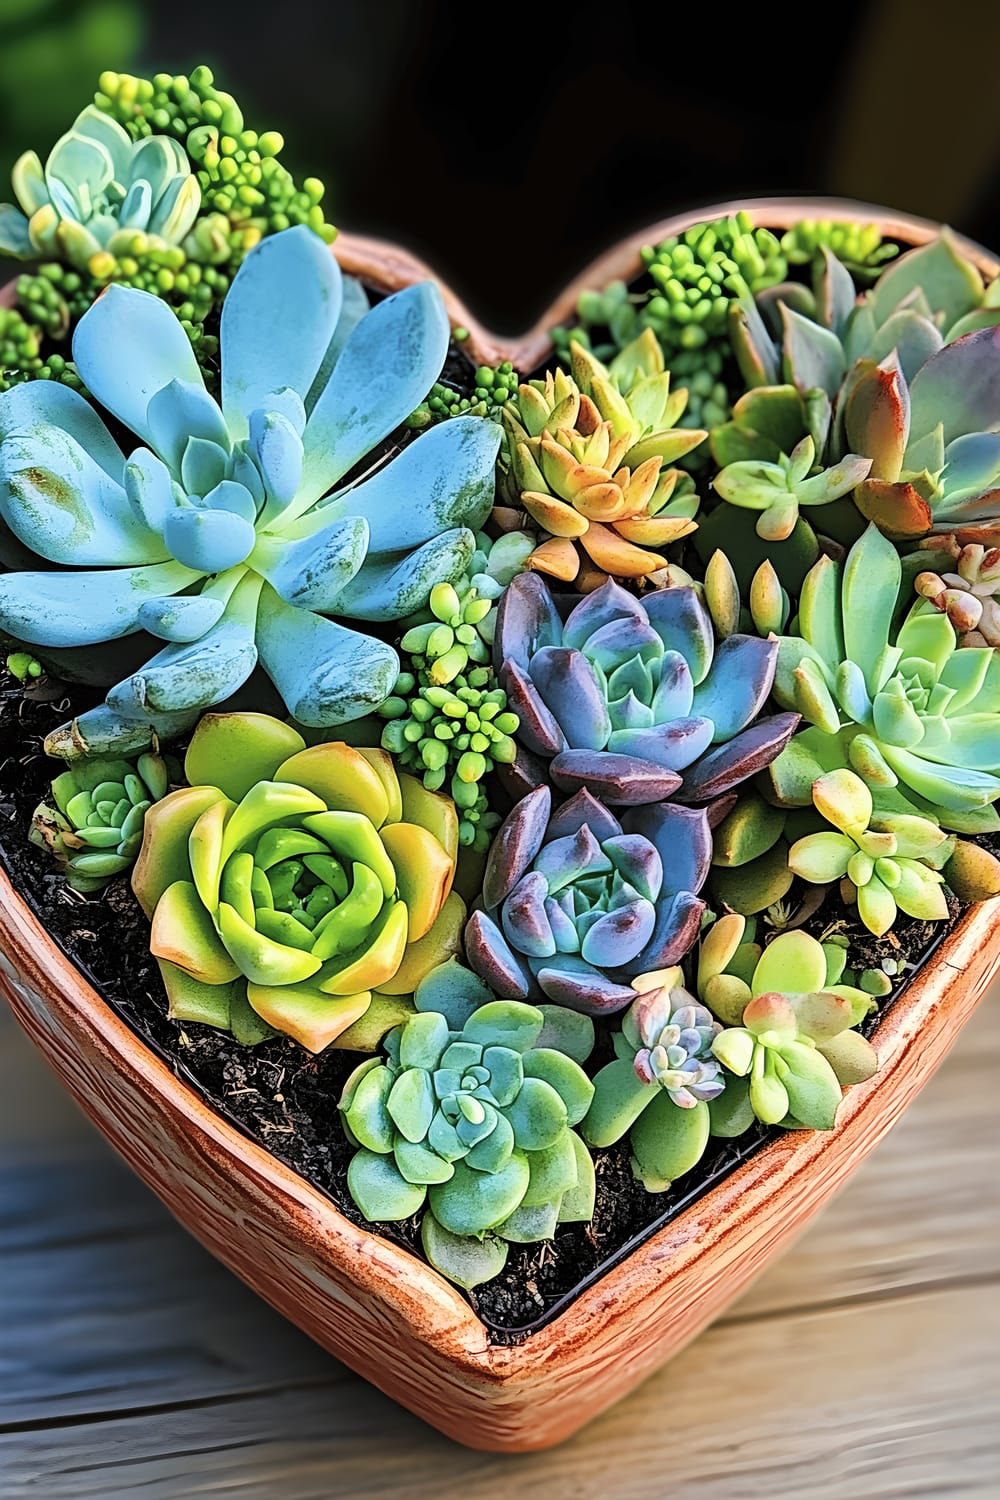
(470, 1117)
(576, 903)
(633, 698)
(99, 191)
(219, 535)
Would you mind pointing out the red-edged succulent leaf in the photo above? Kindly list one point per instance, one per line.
(678, 923)
(538, 728)
(571, 982)
(683, 839)
(878, 419)
(527, 619)
(898, 510)
(580, 809)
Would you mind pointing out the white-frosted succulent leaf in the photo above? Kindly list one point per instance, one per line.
(325, 673)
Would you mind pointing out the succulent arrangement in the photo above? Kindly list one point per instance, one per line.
(562, 743)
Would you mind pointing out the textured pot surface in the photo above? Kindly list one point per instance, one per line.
(379, 1309)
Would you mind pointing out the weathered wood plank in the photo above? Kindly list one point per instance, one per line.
(857, 1401)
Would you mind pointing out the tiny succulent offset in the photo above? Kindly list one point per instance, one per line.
(592, 752)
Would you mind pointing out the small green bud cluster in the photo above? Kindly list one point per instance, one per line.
(20, 343)
(53, 297)
(237, 168)
(860, 246)
(699, 273)
(23, 666)
(493, 388)
(443, 646)
(459, 731)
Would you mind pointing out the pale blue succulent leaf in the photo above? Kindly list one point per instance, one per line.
(103, 731)
(229, 495)
(14, 237)
(277, 321)
(443, 479)
(389, 363)
(136, 207)
(183, 409)
(391, 587)
(208, 541)
(180, 617)
(128, 346)
(65, 507)
(149, 488)
(83, 608)
(204, 464)
(310, 573)
(192, 674)
(46, 403)
(325, 673)
(276, 448)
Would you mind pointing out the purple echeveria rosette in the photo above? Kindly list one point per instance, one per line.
(577, 903)
(632, 698)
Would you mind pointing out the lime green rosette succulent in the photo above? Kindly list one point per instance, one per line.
(306, 890)
(471, 1114)
(886, 862)
(94, 821)
(789, 1029)
(904, 706)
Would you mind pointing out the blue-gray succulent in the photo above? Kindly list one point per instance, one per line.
(219, 534)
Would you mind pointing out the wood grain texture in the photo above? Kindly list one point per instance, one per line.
(858, 1376)
(383, 1312)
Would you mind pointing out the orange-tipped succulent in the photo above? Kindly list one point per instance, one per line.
(304, 889)
(590, 456)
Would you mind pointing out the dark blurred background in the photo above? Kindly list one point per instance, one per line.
(511, 144)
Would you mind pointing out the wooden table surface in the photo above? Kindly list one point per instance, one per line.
(865, 1364)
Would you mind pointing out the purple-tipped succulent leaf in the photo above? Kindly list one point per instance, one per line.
(622, 780)
(740, 759)
(493, 959)
(736, 689)
(538, 728)
(580, 809)
(678, 922)
(674, 745)
(619, 936)
(527, 619)
(525, 774)
(579, 986)
(636, 861)
(684, 624)
(517, 841)
(596, 610)
(565, 860)
(524, 919)
(568, 687)
(683, 839)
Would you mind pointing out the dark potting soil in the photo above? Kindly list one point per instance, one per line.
(285, 1099)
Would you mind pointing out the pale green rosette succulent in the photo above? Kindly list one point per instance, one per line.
(100, 191)
(914, 715)
(470, 1118)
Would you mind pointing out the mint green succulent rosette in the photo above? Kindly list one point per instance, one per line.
(907, 709)
(470, 1118)
(222, 534)
(99, 191)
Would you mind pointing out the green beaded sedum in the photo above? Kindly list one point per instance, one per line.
(453, 734)
(241, 179)
(860, 246)
(492, 390)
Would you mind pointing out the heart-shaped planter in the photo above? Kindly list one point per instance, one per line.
(386, 1314)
